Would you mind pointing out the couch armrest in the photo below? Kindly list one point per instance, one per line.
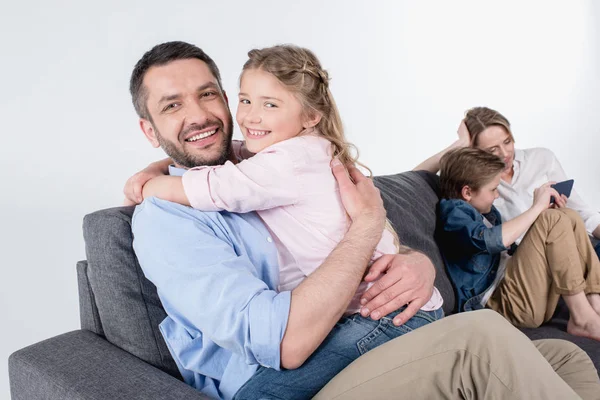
(81, 365)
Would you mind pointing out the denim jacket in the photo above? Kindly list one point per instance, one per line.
(471, 250)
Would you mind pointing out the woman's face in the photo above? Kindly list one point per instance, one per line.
(497, 141)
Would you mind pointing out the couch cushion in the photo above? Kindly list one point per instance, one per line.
(127, 303)
(410, 199)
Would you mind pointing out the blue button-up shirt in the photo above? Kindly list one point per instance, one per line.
(216, 274)
(471, 250)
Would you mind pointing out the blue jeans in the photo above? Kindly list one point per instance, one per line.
(350, 338)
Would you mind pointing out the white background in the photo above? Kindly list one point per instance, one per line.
(402, 73)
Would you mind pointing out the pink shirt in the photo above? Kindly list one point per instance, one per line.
(291, 187)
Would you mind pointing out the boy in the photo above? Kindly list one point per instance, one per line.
(555, 258)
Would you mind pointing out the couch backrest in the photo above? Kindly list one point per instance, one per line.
(117, 301)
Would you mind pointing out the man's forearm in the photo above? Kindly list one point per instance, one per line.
(322, 298)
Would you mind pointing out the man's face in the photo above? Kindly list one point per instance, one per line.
(190, 118)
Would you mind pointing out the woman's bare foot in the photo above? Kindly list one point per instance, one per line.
(589, 328)
(594, 300)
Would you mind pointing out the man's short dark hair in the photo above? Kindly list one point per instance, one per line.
(163, 54)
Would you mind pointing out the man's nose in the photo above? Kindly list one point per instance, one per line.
(196, 113)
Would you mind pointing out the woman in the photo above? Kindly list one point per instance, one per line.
(526, 169)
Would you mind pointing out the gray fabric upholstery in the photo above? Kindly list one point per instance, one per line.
(127, 303)
(410, 199)
(81, 365)
(88, 311)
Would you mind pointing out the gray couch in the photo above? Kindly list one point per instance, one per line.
(119, 353)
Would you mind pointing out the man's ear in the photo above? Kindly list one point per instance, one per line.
(312, 120)
(466, 193)
(149, 132)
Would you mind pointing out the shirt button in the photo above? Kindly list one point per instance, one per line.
(269, 239)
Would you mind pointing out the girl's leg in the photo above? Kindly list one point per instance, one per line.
(546, 265)
(349, 339)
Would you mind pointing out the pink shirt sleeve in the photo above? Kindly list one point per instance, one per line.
(262, 182)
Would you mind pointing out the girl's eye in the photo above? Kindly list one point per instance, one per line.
(270, 105)
(245, 101)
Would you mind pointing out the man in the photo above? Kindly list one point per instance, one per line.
(216, 274)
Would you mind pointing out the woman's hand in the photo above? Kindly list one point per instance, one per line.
(135, 184)
(464, 137)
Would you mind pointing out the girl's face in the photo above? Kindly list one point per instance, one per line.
(494, 139)
(267, 112)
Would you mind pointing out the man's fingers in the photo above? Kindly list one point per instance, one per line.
(409, 312)
(356, 175)
(381, 265)
(396, 303)
(340, 173)
(380, 286)
(392, 294)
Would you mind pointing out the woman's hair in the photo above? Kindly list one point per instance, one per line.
(467, 166)
(477, 119)
(300, 71)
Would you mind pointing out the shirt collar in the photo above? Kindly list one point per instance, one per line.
(175, 171)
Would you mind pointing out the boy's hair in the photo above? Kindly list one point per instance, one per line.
(477, 119)
(467, 167)
(300, 71)
(160, 55)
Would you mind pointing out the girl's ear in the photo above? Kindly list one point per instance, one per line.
(312, 120)
(466, 193)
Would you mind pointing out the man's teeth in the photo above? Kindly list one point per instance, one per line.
(257, 133)
(202, 135)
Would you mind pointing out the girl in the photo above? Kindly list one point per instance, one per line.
(290, 120)
(555, 257)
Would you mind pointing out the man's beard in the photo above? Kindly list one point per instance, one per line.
(183, 158)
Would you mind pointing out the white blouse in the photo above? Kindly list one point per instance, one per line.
(533, 168)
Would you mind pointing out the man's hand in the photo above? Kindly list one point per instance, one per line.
(360, 197)
(408, 280)
(135, 184)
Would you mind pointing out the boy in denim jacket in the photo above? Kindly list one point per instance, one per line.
(555, 257)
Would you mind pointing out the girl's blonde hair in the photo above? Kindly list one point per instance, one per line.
(300, 71)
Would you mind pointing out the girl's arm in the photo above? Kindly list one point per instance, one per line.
(432, 164)
(133, 186)
(166, 187)
(513, 229)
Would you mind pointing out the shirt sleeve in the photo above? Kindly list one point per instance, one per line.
(466, 231)
(205, 285)
(267, 180)
(590, 216)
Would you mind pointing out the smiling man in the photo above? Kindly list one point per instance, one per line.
(233, 335)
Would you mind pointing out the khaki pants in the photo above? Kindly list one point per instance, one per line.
(555, 257)
(472, 355)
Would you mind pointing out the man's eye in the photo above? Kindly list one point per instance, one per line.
(209, 94)
(170, 106)
(245, 101)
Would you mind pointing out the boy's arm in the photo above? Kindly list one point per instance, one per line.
(465, 232)
(513, 229)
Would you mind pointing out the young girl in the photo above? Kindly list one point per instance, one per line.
(555, 257)
(290, 120)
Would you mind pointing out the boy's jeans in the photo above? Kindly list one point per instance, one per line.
(350, 338)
